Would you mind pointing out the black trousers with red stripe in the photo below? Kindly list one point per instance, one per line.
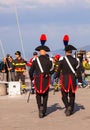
(42, 100)
(68, 98)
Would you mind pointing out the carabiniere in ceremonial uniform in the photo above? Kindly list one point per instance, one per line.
(41, 67)
(68, 79)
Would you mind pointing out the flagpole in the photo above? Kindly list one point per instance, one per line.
(20, 35)
(19, 30)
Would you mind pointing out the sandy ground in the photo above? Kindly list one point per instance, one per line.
(17, 114)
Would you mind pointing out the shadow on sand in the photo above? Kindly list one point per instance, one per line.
(54, 108)
(78, 107)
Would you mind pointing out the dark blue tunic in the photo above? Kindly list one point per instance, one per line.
(67, 78)
(42, 80)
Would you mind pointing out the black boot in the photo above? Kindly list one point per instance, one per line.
(68, 111)
(32, 91)
(41, 112)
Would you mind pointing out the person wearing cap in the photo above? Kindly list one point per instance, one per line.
(41, 66)
(56, 79)
(35, 54)
(20, 69)
(68, 79)
(29, 64)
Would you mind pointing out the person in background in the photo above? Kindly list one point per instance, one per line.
(19, 65)
(35, 54)
(4, 70)
(29, 64)
(52, 75)
(11, 70)
(80, 69)
(56, 79)
(86, 66)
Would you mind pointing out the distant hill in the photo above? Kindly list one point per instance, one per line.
(87, 48)
(61, 51)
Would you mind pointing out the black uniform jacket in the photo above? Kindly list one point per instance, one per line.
(41, 80)
(67, 78)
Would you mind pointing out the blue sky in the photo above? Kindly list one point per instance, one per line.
(55, 18)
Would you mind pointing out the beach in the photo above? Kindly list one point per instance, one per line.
(17, 114)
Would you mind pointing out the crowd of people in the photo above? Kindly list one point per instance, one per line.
(64, 72)
(84, 65)
(13, 69)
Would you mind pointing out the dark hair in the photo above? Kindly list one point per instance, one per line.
(35, 53)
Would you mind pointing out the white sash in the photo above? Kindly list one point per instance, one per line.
(38, 61)
(70, 65)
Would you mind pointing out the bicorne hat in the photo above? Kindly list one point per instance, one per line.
(69, 48)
